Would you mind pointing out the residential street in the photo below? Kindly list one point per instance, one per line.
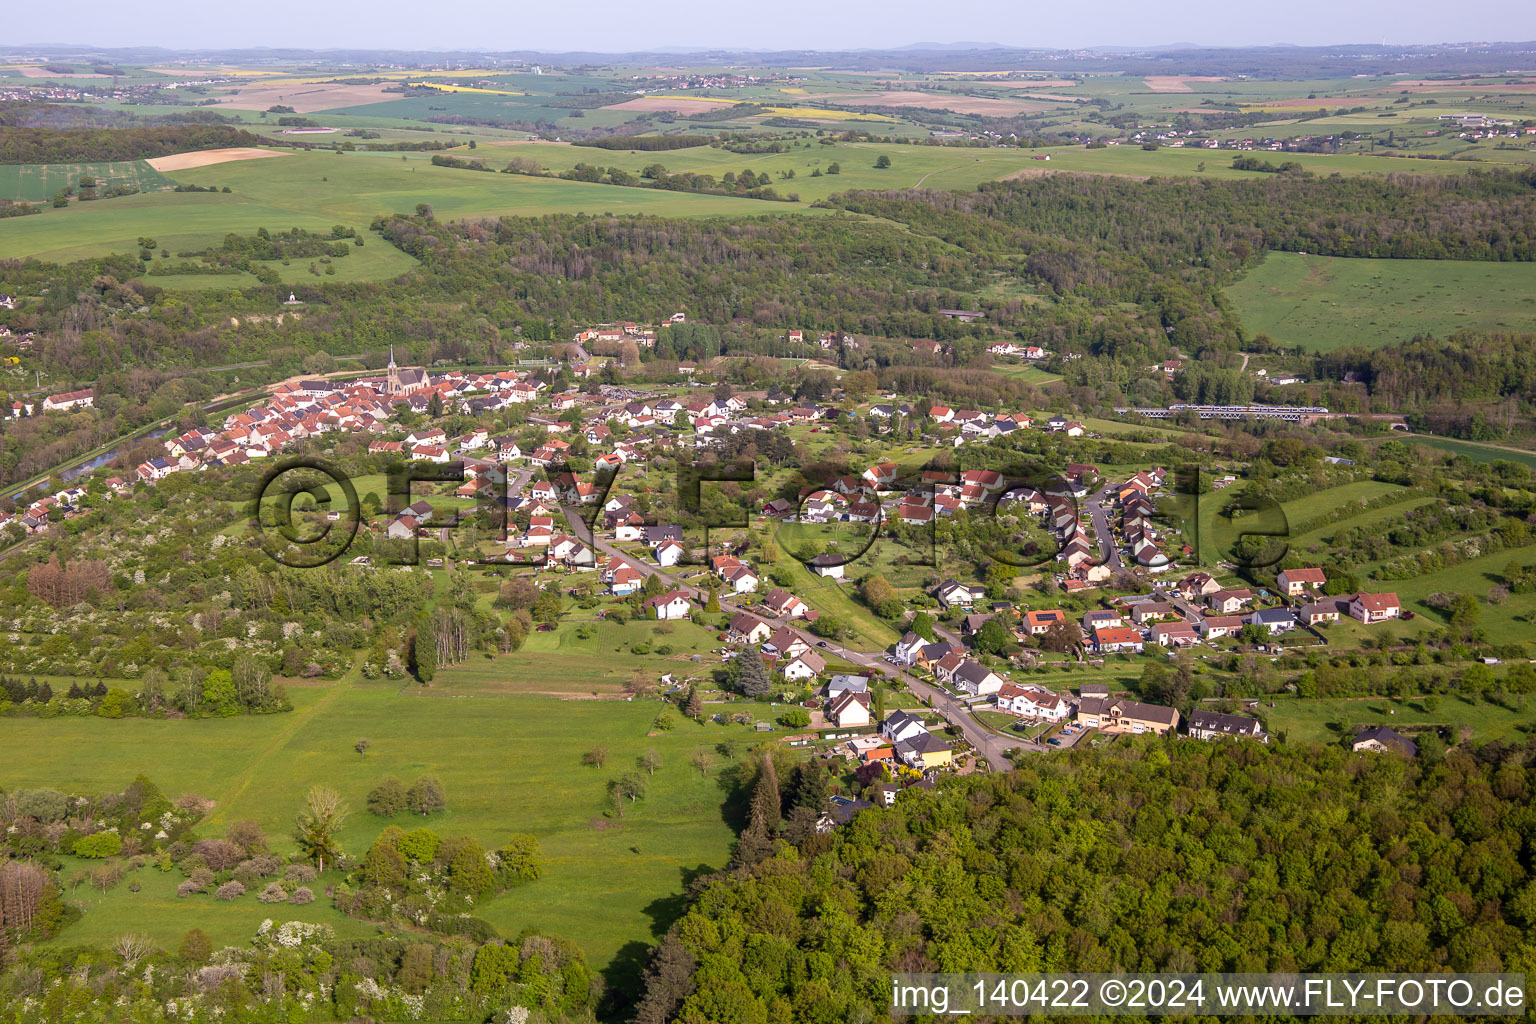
(1099, 515)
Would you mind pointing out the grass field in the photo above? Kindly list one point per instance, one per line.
(1307, 721)
(1509, 622)
(36, 183)
(562, 663)
(375, 261)
(1375, 517)
(509, 764)
(1323, 303)
(316, 191)
(1300, 510)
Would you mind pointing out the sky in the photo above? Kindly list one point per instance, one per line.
(630, 25)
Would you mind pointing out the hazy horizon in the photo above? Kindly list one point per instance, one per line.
(609, 27)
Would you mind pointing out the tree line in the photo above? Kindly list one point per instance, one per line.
(20, 145)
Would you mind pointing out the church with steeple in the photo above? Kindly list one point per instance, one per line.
(402, 383)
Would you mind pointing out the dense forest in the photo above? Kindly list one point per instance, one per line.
(1142, 856)
(50, 146)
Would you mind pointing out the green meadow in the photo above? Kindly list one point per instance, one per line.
(316, 191)
(508, 763)
(1323, 302)
(1311, 721)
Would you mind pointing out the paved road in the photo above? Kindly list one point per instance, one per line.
(1099, 515)
(988, 744)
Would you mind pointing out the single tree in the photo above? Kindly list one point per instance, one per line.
(766, 806)
(426, 796)
(751, 676)
(319, 822)
(196, 947)
(361, 746)
(596, 757)
(650, 761)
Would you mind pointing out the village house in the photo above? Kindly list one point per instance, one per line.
(1102, 617)
(784, 604)
(1229, 602)
(1032, 702)
(748, 628)
(1144, 612)
(849, 709)
(1276, 620)
(804, 666)
(785, 643)
(1372, 608)
(975, 679)
(828, 565)
(671, 605)
(1378, 739)
(669, 552)
(1173, 634)
(1210, 725)
(1214, 627)
(1197, 585)
(953, 594)
(1107, 641)
(907, 648)
(1116, 715)
(1319, 612)
(1294, 582)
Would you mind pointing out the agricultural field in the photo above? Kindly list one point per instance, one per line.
(37, 183)
(1323, 303)
(508, 764)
